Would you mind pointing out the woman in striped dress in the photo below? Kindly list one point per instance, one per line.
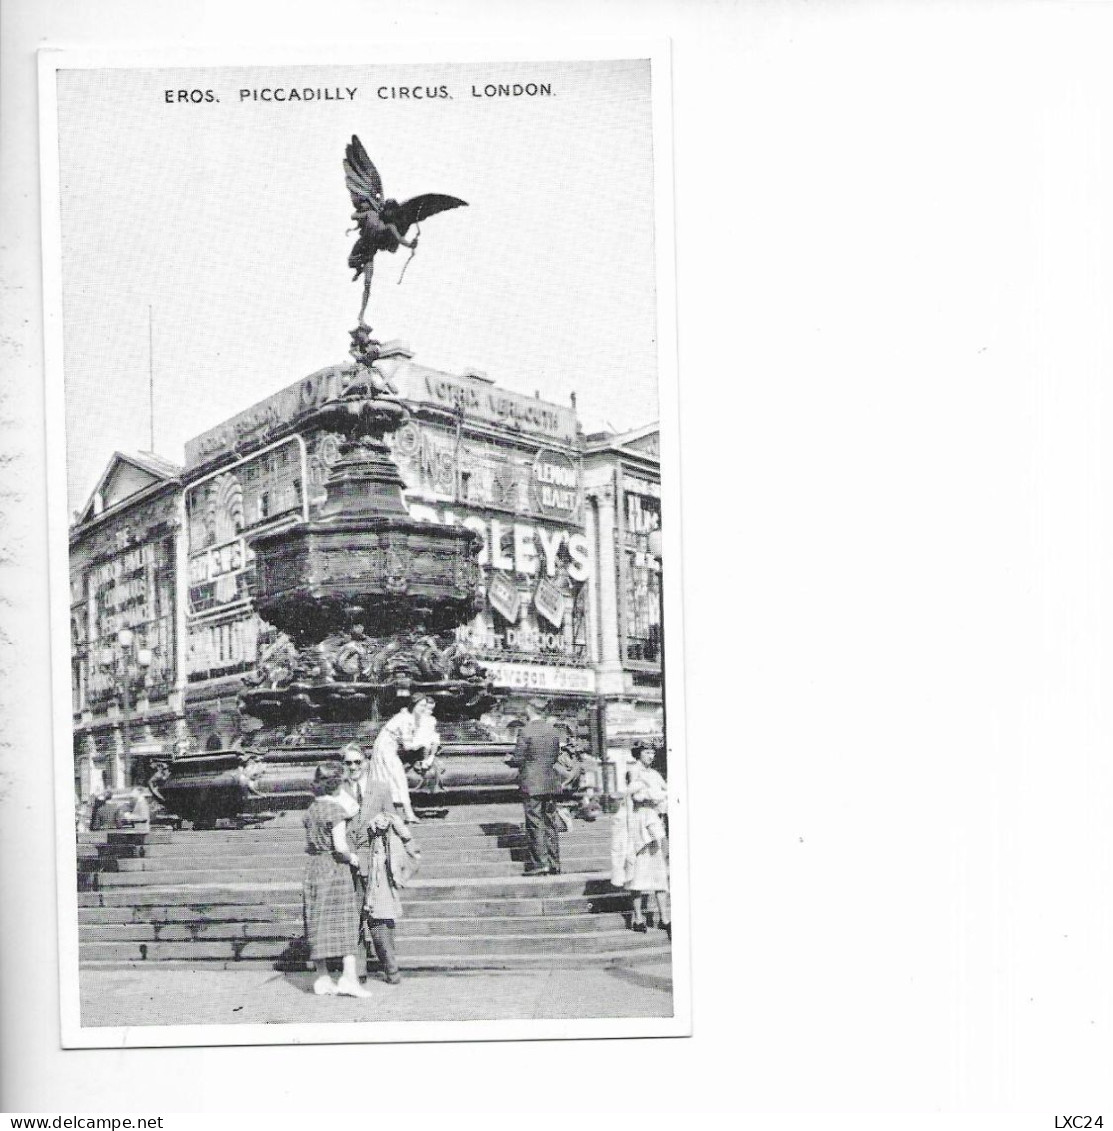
(331, 892)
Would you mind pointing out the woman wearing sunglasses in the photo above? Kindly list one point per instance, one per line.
(332, 890)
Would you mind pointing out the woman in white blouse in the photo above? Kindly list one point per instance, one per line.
(405, 731)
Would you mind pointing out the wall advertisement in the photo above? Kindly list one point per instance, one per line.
(222, 510)
(134, 590)
(441, 466)
(542, 677)
(534, 583)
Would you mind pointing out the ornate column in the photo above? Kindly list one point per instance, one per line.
(610, 661)
(591, 599)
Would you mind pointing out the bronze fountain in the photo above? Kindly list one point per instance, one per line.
(364, 599)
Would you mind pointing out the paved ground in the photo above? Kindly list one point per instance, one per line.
(257, 994)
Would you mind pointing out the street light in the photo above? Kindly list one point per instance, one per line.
(654, 544)
(654, 548)
(128, 661)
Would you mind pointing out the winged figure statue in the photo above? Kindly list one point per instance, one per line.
(382, 223)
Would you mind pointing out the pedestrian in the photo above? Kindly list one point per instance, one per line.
(387, 857)
(331, 890)
(535, 756)
(399, 733)
(394, 858)
(639, 844)
(83, 812)
(99, 813)
(134, 812)
(578, 774)
(121, 808)
(424, 770)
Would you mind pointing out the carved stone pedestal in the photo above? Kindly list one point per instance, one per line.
(366, 601)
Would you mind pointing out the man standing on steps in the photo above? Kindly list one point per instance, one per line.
(535, 756)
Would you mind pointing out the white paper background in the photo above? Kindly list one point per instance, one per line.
(894, 280)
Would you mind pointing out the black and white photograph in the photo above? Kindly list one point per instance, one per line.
(362, 486)
(556, 564)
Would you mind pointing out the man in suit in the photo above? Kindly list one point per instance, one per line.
(535, 756)
(373, 797)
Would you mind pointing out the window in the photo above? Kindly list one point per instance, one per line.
(642, 599)
(78, 681)
(579, 620)
(643, 608)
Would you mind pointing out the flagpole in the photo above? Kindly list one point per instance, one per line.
(151, 371)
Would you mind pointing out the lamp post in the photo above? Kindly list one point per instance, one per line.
(654, 546)
(128, 661)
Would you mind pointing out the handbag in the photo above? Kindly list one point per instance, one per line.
(403, 859)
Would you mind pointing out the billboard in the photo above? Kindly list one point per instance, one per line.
(223, 508)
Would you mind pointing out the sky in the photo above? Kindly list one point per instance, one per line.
(206, 241)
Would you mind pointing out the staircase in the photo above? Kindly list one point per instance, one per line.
(224, 897)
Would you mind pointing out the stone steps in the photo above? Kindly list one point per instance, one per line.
(294, 871)
(478, 850)
(449, 947)
(228, 896)
(290, 906)
(470, 820)
(456, 888)
(290, 927)
(418, 963)
(220, 842)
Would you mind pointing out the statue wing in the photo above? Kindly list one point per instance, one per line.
(417, 208)
(361, 176)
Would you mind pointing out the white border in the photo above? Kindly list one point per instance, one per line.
(73, 1034)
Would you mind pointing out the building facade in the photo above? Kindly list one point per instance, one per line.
(622, 478)
(506, 465)
(126, 622)
(570, 564)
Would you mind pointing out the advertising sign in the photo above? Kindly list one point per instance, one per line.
(246, 496)
(267, 419)
(555, 485)
(624, 720)
(219, 575)
(135, 590)
(219, 647)
(483, 400)
(538, 677)
(260, 422)
(548, 600)
(521, 547)
(503, 595)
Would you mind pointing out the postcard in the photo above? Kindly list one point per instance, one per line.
(364, 517)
